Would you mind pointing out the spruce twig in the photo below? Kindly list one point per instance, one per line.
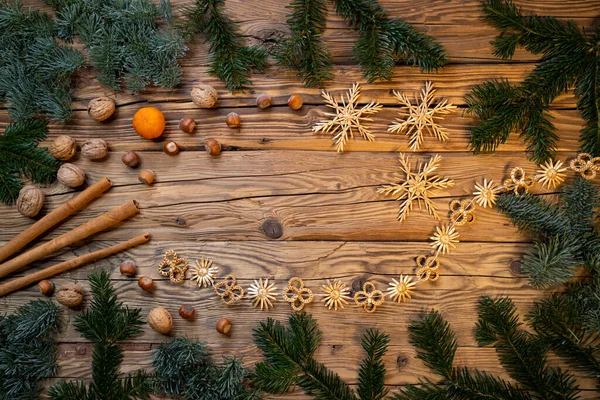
(371, 374)
(303, 50)
(20, 156)
(231, 61)
(384, 40)
(106, 323)
(569, 58)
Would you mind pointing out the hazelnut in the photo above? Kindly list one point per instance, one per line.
(213, 147)
(263, 101)
(146, 283)
(70, 295)
(187, 125)
(30, 201)
(146, 176)
(63, 148)
(94, 149)
(160, 320)
(46, 287)
(223, 326)
(204, 96)
(233, 120)
(295, 102)
(187, 311)
(101, 108)
(131, 159)
(70, 175)
(128, 268)
(171, 148)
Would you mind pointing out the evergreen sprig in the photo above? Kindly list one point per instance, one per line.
(384, 40)
(20, 156)
(231, 61)
(289, 362)
(106, 323)
(124, 40)
(35, 71)
(303, 50)
(27, 350)
(184, 368)
(565, 235)
(569, 58)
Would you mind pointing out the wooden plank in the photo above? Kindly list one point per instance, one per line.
(325, 197)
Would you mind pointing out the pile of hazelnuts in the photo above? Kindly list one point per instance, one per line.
(160, 318)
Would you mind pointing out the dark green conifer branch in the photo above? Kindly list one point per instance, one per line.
(27, 350)
(303, 50)
(184, 368)
(231, 61)
(384, 40)
(35, 71)
(569, 58)
(371, 374)
(124, 40)
(436, 346)
(106, 323)
(566, 238)
(20, 156)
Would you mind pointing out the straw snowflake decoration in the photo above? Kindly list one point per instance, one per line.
(486, 193)
(444, 238)
(336, 294)
(204, 273)
(262, 293)
(421, 118)
(401, 290)
(347, 119)
(551, 174)
(417, 186)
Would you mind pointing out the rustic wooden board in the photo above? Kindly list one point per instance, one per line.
(333, 222)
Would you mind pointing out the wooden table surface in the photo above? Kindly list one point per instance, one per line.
(333, 222)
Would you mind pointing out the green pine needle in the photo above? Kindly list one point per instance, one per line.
(384, 40)
(371, 374)
(20, 157)
(231, 61)
(303, 50)
(569, 58)
(106, 323)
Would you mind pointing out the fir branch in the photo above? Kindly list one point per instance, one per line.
(106, 322)
(20, 156)
(522, 354)
(27, 350)
(124, 41)
(303, 50)
(569, 58)
(35, 71)
(552, 262)
(585, 297)
(371, 374)
(385, 40)
(231, 61)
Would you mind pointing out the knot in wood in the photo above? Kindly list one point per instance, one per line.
(401, 361)
(515, 268)
(272, 228)
(180, 221)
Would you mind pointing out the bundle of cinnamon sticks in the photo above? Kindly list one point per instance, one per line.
(100, 223)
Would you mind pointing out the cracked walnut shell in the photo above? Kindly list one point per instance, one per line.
(63, 148)
(101, 108)
(70, 295)
(30, 201)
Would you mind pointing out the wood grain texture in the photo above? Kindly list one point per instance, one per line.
(333, 223)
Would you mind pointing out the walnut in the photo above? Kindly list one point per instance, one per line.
(94, 149)
(63, 148)
(204, 96)
(70, 175)
(70, 295)
(30, 201)
(160, 320)
(101, 108)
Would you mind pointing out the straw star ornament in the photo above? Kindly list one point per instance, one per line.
(337, 294)
(204, 273)
(262, 294)
(417, 186)
(347, 119)
(486, 193)
(551, 174)
(421, 118)
(401, 290)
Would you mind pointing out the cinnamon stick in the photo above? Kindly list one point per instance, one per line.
(73, 263)
(104, 221)
(57, 215)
